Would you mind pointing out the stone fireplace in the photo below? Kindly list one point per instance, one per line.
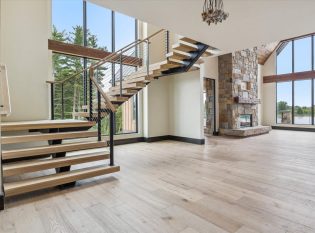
(238, 91)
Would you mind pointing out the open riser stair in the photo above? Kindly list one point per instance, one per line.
(66, 143)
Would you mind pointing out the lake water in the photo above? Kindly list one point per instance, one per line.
(301, 120)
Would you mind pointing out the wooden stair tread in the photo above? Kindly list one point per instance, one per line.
(118, 99)
(188, 40)
(43, 150)
(185, 47)
(44, 124)
(144, 79)
(46, 137)
(95, 105)
(17, 168)
(15, 188)
(133, 86)
(87, 114)
(127, 92)
(178, 56)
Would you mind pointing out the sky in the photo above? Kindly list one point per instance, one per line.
(67, 14)
(302, 62)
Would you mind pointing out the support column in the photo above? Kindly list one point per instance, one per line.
(1, 202)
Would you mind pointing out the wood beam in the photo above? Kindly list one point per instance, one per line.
(289, 77)
(81, 51)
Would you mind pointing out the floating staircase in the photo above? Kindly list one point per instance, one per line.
(62, 138)
(186, 55)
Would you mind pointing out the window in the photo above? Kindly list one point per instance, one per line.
(91, 25)
(284, 103)
(126, 117)
(125, 32)
(296, 96)
(303, 54)
(68, 27)
(284, 60)
(99, 27)
(303, 102)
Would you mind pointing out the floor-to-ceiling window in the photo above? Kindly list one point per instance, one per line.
(295, 99)
(83, 23)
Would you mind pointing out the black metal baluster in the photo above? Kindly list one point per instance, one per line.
(52, 101)
(62, 102)
(99, 120)
(111, 138)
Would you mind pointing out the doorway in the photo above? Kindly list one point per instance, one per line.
(209, 98)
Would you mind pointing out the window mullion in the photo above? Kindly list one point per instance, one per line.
(293, 108)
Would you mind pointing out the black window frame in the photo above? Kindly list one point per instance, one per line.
(278, 51)
(85, 59)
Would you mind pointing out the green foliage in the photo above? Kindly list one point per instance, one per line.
(65, 67)
(282, 105)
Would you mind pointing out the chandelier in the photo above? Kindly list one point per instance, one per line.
(213, 12)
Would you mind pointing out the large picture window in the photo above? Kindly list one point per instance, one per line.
(295, 99)
(92, 26)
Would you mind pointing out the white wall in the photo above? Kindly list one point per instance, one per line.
(269, 97)
(25, 29)
(156, 108)
(185, 105)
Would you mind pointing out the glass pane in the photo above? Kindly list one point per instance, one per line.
(303, 102)
(303, 54)
(124, 30)
(284, 60)
(284, 103)
(99, 26)
(67, 26)
(63, 68)
(126, 117)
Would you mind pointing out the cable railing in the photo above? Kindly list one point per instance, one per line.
(85, 93)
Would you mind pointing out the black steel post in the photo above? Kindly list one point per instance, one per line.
(85, 73)
(99, 119)
(1, 202)
(121, 73)
(111, 138)
(52, 102)
(91, 98)
(62, 102)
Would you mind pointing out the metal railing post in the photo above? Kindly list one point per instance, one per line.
(148, 57)
(52, 102)
(121, 73)
(99, 120)
(91, 74)
(111, 138)
(62, 102)
(167, 42)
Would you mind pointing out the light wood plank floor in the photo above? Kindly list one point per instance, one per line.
(260, 184)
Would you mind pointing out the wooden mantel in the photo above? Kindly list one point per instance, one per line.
(81, 51)
(289, 77)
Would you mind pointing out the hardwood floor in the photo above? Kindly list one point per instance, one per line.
(260, 184)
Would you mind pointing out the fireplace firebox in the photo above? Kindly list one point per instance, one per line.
(246, 120)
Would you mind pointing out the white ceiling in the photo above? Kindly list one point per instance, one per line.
(251, 22)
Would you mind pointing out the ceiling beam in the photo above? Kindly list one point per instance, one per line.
(289, 77)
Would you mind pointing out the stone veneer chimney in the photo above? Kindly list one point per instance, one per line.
(238, 80)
